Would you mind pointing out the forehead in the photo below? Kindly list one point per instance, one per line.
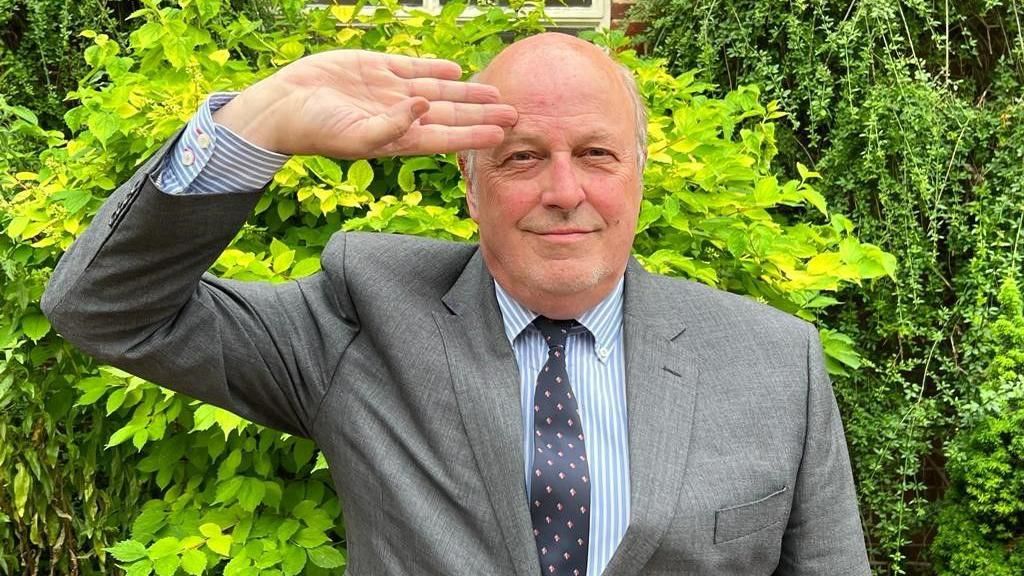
(564, 92)
(563, 78)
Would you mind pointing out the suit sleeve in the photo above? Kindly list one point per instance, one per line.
(824, 534)
(133, 291)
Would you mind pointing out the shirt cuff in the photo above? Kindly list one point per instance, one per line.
(211, 159)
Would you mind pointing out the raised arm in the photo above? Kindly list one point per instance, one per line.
(133, 289)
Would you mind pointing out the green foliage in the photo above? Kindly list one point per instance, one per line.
(201, 490)
(40, 54)
(40, 48)
(911, 111)
(982, 518)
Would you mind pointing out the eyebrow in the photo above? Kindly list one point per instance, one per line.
(599, 135)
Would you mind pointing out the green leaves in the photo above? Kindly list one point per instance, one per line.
(193, 562)
(215, 540)
(231, 497)
(309, 538)
(360, 175)
(35, 326)
(22, 485)
(407, 173)
(293, 562)
(326, 557)
(982, 511)
(128, 551)
(714, 211)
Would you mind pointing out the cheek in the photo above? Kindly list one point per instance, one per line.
(618, 204)
(506, 203)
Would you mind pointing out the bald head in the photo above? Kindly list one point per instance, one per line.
(547, 50)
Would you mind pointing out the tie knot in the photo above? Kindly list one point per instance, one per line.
(555, 331)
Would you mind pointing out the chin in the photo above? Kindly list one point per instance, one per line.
(567, 279)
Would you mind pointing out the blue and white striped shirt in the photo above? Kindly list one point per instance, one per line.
(596, 366)
(211, 159)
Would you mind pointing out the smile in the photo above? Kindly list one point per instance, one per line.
(564, 236)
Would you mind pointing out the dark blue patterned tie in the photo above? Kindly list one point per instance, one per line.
(560, 482)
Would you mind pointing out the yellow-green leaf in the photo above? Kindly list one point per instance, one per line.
(128, 551)
(22, 483)
(326, 557)
(220, 56)
(220, 544)
(163, 547)
(305, 267)
(193, 562)
(210, 530)
(35, 326)
(360, 174)
(294, 561)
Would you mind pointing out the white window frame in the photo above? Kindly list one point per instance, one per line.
(597, 15)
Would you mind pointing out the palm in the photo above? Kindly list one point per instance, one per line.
(356, 104)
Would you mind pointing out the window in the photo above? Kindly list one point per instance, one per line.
(570, 15)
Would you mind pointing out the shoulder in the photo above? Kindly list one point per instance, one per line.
(358, 249)
(722, 318)
(405, 263)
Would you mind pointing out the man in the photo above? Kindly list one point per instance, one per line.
(535, 404)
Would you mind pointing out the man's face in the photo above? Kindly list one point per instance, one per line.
(557, 202)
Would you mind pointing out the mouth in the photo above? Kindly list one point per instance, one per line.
(566, 236)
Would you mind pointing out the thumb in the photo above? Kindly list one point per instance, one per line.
(396, 120)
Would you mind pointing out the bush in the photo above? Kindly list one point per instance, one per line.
(221, 494)
(911, 111)
(982, 518)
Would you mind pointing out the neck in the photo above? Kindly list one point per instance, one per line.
(560, 306)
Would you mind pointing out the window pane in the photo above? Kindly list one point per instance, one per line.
(547, 3)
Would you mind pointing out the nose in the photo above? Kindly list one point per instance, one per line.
(563, 189)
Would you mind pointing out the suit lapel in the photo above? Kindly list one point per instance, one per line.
(486, 382)
(660, 399)
(660, 396)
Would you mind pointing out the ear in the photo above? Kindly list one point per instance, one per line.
(470, 189)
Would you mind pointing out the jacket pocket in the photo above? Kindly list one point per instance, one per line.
(744, 519)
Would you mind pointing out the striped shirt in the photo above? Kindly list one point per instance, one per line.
(211, 159)
(595, 363)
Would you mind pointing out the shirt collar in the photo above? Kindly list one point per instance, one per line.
(603, 320)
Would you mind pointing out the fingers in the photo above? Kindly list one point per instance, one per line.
(382, 129)
(459, 114)
(453, 91)
(436, 139)
(410, 68)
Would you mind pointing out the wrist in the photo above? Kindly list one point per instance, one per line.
(250, 116)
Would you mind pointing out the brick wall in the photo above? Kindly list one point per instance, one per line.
(618, 17)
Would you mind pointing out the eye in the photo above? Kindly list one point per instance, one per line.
(520, 156)
(596, 153)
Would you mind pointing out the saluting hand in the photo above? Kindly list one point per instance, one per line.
(359, 104)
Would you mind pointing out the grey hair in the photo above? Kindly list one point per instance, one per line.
(639, 118)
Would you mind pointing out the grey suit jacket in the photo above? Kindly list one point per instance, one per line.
(393, 359)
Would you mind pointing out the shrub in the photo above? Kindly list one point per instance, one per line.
(911, 111)
(981, 520)
(222, 494)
